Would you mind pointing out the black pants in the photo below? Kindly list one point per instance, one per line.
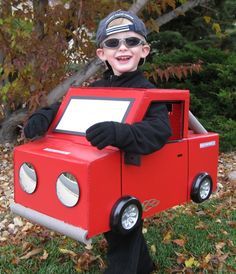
(128, 254)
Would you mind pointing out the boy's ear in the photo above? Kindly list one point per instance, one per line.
(145, 51)
(100, 54)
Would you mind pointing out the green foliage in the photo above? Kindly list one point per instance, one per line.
(213, 87)
(165, 41)
(225, 127)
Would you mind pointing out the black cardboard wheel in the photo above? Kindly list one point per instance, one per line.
(126, 215)
(201, 188)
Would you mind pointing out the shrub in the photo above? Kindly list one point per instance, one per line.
(213, 89)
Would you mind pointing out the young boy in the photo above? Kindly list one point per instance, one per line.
(121, 41)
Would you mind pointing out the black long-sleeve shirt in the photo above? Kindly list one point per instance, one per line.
(148, 135)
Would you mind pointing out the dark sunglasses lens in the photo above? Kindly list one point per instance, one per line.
(132, 41)
(112, 43)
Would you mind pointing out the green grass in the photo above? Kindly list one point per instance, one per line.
(56, 262)
(206, 230)
(202, 233)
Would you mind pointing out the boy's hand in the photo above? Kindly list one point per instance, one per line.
(101, 134)
(37, 125)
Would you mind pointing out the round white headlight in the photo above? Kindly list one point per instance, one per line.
(67, 189)
(28, 178)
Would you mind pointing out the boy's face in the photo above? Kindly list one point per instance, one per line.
(123, 58)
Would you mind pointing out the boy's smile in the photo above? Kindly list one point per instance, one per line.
(123, 58)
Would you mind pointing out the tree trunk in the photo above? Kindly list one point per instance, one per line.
(76, 80)
(9, 129)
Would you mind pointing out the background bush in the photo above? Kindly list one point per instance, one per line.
(213, 89)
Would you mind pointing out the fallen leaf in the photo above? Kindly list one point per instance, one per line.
(191, 262)
(31, 253)
(219, 245)
(89, 246)
(201, 225)
(224, 232)
(211, 236)
(3, 239)
(167, 237)
(180, 242)
(232, 224)
(15, 261)
(102, 244)
(215, 261)
(200, 213)
(230, 243)
(26, 246)
(188, 271)
(66, 251)
(178, 270)
(153, 249)
(84, 261)
(181, 259)
(27, 227)
(102, 265)
(207, 258)
(44, 256)
(18, 221)
(144, 230)
(223, 257)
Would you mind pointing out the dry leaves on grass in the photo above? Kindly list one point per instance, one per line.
(83, 261)
(29, 251)
(208, 262)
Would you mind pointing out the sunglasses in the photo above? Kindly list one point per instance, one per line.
(130, 42)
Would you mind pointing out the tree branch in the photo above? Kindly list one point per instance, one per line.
(9, 127)
(165, 18)
(40, 7)
(138, 6)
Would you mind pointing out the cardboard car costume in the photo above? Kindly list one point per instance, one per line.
(64, 183)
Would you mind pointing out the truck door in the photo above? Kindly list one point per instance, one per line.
(161, 179)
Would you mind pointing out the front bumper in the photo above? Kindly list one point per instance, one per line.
(71, 231)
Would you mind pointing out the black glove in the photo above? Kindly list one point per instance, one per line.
(37, 125)
(101, 134)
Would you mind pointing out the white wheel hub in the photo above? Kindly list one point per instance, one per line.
(130, 217)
